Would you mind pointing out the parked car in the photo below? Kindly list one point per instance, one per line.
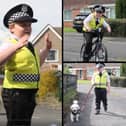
(78, 21)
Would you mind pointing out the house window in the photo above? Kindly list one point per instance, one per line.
(90, 72)
(80, 74)
(67, 15)
(112, 12)
(107, 13)
(52, 56)
(85, 10)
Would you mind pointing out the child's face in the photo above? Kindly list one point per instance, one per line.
(20, 29)
(98, 15)
(100, 69)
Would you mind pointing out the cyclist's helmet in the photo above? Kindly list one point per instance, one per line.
(99, 8)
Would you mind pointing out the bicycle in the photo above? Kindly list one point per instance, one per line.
(99, 51)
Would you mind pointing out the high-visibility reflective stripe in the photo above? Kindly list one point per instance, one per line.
(26, 77)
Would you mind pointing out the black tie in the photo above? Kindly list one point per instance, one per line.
(100, 74)
(97, 21)
(31, 48)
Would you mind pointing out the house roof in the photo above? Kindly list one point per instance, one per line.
(56, 31)
(76, 4)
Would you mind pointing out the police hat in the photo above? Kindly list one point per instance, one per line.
(100, 65)
(99, 8)
(19, 13)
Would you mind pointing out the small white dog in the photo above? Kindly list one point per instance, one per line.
(75, 111)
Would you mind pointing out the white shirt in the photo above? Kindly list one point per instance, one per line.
(4, 44)
(90, 17)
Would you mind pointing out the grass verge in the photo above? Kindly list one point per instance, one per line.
(83, 81)
(66, 29)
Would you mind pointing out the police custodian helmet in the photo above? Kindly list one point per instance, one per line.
(99, 8)
(100, 65)
(19, 13)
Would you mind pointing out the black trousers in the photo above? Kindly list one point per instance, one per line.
(101, 95)
(89, 37)
(19, 106)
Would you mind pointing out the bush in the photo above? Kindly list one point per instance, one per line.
(49, 84)
(2, 70)
(118, 81)
(118, 27)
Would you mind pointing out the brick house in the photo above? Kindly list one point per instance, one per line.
(54, 59)
(74, 7)
(85, 70)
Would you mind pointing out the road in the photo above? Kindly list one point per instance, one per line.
(73, 41)
(116, 115)
(44, 115)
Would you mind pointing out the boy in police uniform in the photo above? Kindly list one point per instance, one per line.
(22, 64)
(94, 21)
(101, 81)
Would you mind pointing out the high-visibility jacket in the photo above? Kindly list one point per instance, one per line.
(92, 23)
(22, 70)
(100, 82)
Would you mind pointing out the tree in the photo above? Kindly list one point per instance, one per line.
(123, 69)
(120, 8)
(66, 69)
(124, 8)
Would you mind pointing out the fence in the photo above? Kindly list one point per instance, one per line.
(70, 81)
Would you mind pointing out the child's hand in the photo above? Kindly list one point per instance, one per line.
(48, 42)
(109, 29)
(108, 90)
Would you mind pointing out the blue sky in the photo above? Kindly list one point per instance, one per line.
(46, 11)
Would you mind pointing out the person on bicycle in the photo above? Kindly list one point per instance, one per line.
(93, 22)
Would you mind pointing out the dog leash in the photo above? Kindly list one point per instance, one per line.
(86, 98)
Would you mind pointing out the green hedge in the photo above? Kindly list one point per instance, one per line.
(118, 27)
(67, 100)
(118, 81)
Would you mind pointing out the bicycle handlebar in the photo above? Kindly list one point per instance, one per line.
(96, 30)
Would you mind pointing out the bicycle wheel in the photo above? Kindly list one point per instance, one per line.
(82, 52)
(101, 54)
(82, 49)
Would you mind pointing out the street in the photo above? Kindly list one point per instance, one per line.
(73, 41)
(44, 115)
(116, 115)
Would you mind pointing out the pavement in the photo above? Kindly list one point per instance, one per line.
(44, 115)
(115, 116)
(73, 41)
